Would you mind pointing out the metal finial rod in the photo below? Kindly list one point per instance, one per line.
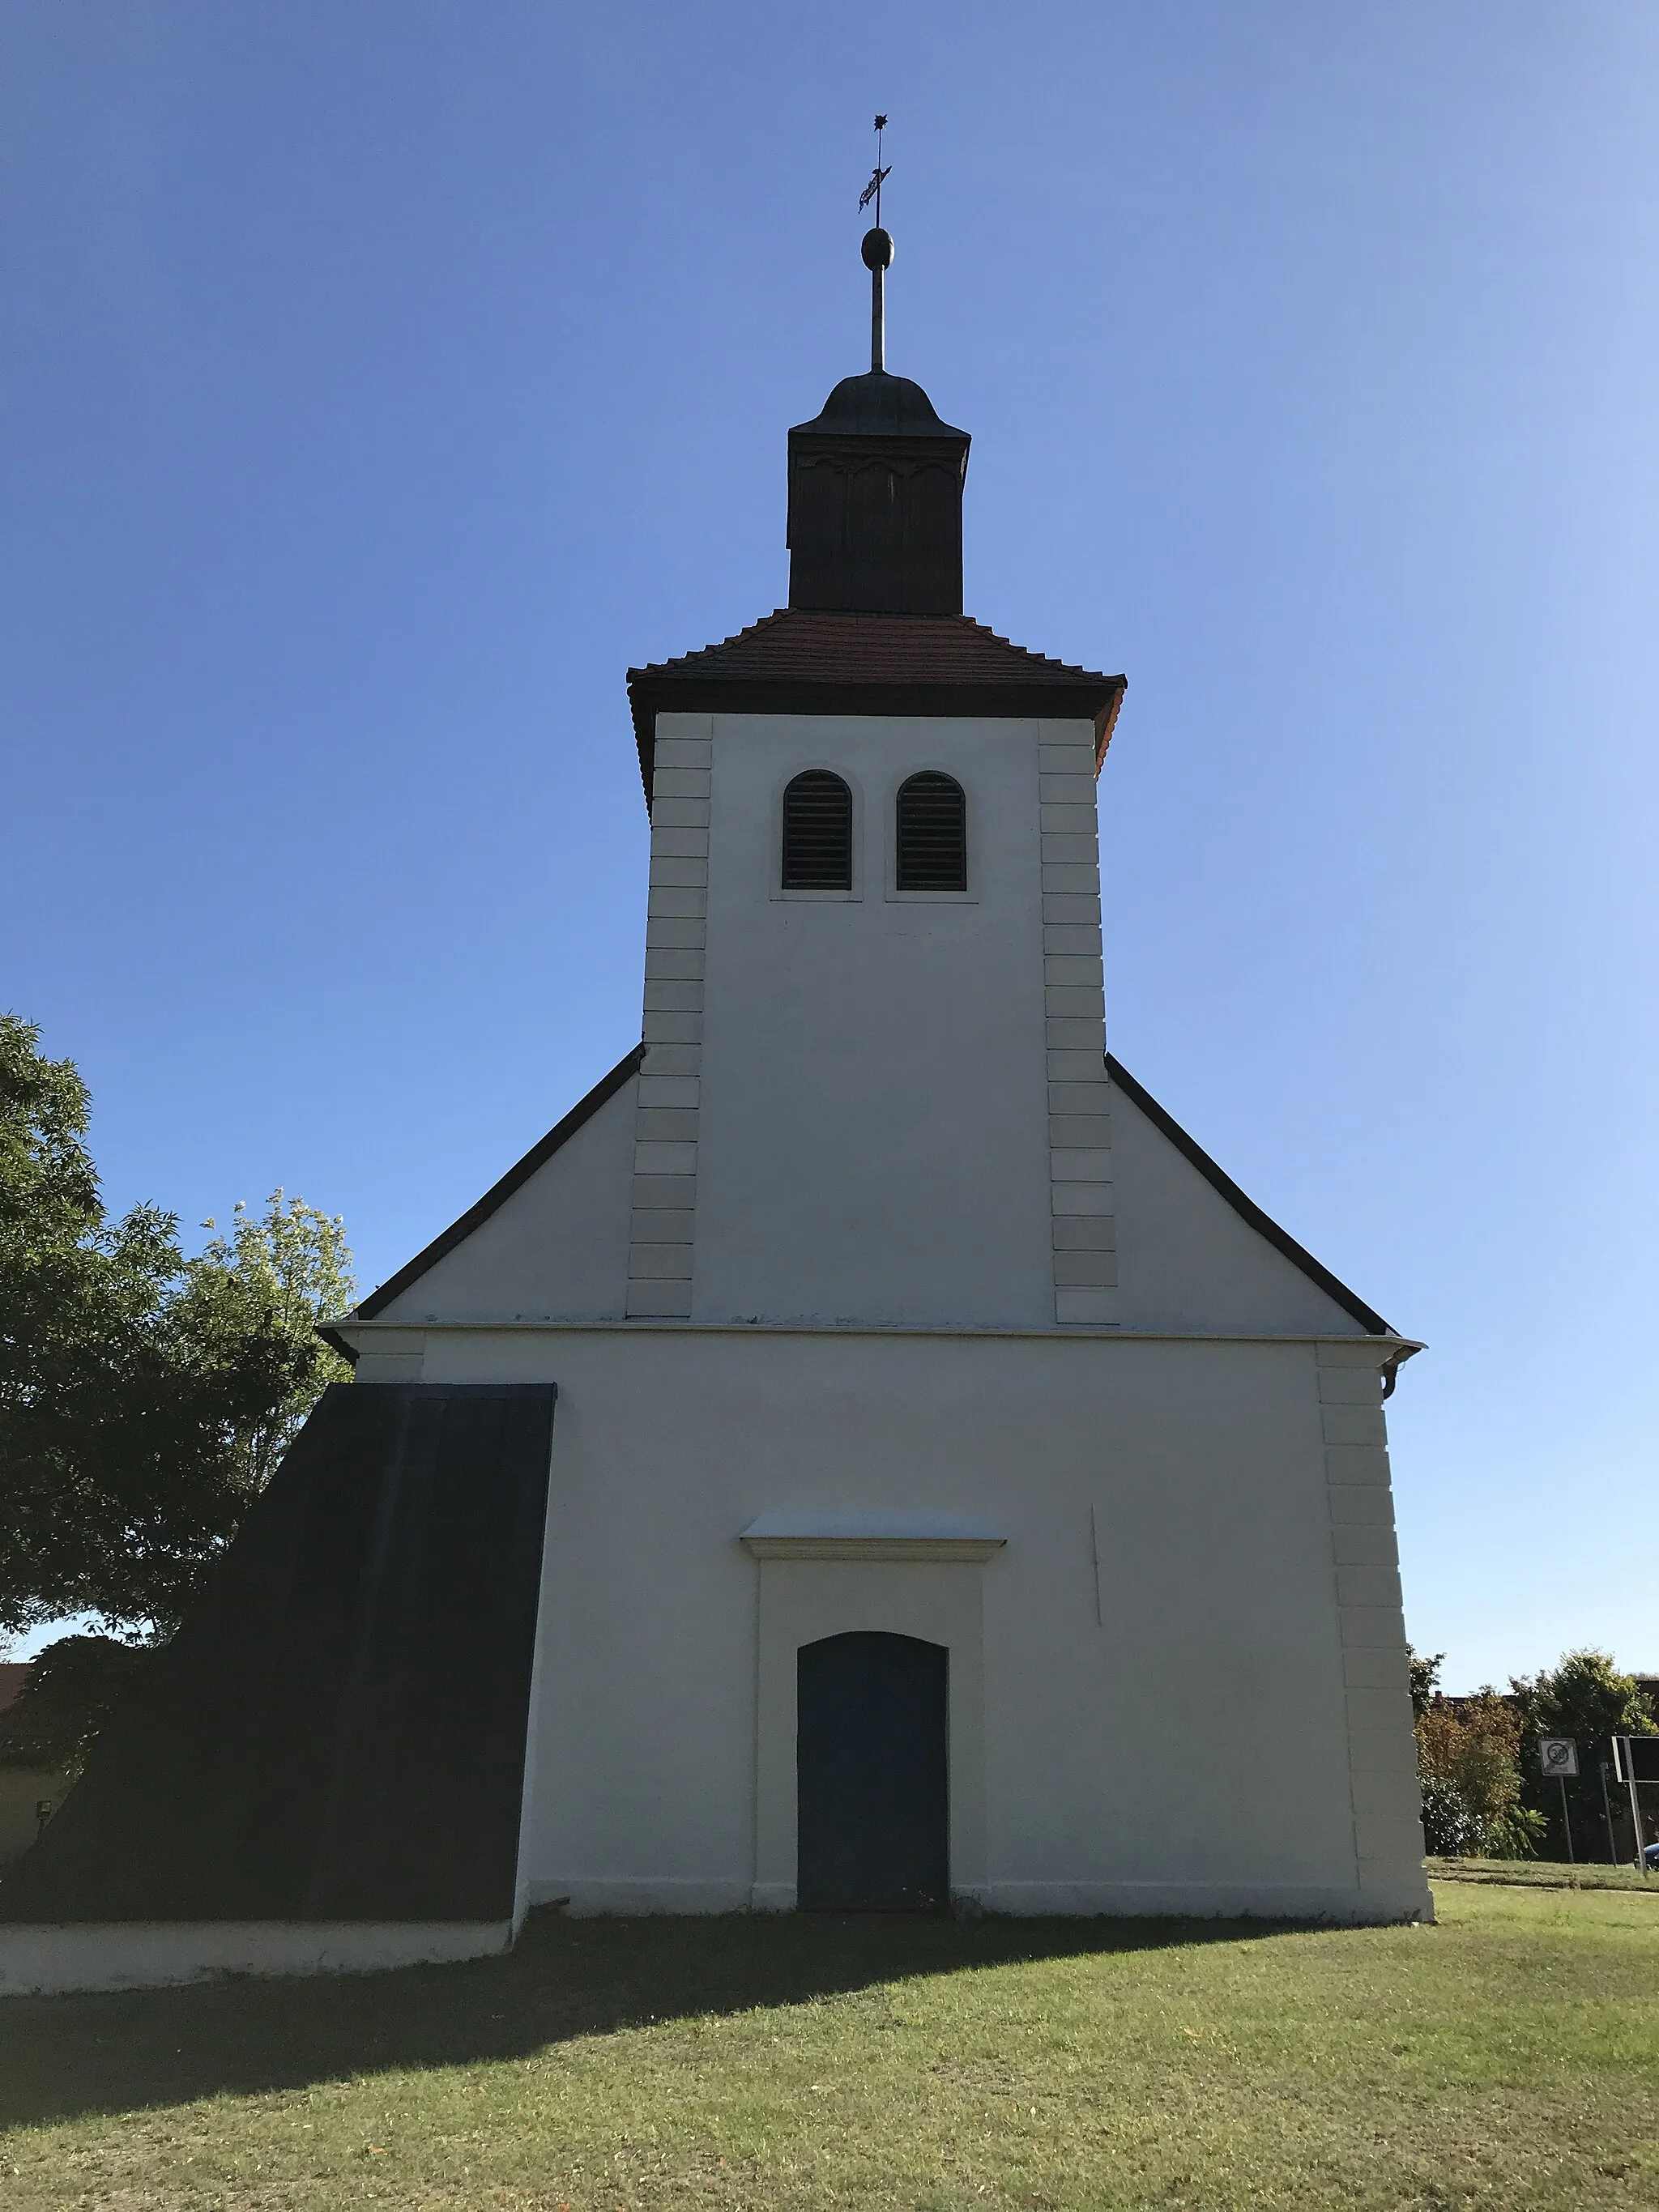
(878, 251)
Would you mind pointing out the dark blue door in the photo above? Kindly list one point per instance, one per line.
(870, 1764)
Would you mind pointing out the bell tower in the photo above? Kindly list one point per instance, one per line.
(874, 1091)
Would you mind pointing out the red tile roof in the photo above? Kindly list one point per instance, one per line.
(873, 648)
(799, 660)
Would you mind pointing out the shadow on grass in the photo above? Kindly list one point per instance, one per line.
(63, 2057)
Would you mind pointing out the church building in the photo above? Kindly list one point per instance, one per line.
(865, 1457)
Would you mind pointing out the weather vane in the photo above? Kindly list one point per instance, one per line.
(873, 190)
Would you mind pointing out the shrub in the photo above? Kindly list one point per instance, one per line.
(1469, 1761)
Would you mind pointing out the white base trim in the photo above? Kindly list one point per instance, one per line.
(113, 1954)
(631, 1900)
(1204, 1900)
(1119, 1900)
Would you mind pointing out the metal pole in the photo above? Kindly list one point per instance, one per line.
(1565, 1822)
(878, 322)
(1606, 1812)
(1635, 1809)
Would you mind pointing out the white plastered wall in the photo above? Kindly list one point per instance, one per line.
(1166, 1722)
(1188, 1259)
(872, 1124)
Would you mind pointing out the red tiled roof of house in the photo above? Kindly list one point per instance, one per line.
(802, 661)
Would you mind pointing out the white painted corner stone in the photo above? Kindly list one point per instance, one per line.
(668, 1095)
(1073, 986)
(1389, 1844)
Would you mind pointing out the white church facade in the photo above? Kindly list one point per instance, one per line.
(959, 1493)
(879, 1304)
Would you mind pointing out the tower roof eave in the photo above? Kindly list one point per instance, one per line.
(804, 661)
(880, 406)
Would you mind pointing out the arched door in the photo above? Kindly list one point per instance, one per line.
(871, 1774)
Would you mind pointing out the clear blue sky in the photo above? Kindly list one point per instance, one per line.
(380, 381)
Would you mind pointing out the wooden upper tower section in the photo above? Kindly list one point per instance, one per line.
(875, 502)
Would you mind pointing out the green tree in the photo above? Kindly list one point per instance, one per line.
(289, 1267)
(1469, 1761)
(144, 1397)
(1424, 1676)
(69, 1692)
(1584, 1697)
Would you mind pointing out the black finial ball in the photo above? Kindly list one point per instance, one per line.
(878, 250)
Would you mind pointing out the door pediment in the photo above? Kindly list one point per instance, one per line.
(898, 1538)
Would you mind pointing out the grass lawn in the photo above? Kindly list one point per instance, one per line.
(1543, 1874)
(1505, 2058)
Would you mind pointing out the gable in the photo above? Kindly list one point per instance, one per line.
(548, 1241)
(1194, 1253)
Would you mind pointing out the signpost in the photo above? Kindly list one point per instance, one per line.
(1558, 1755)
(1606, 1812)
(1635, 1760)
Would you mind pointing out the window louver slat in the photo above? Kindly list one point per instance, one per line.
(932, 834)
(818, 833)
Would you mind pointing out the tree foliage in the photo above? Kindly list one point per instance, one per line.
(144, 1397)
(1468, 1756)
(72, 1687)
(1584, 1697)
(289, 1267)
(1484, 1789)
(1425, 1674)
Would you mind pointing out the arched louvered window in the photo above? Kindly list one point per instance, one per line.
(818, 833)
(932, 833)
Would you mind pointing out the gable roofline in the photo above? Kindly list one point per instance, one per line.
(496, 1196)
(1244, 1206)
